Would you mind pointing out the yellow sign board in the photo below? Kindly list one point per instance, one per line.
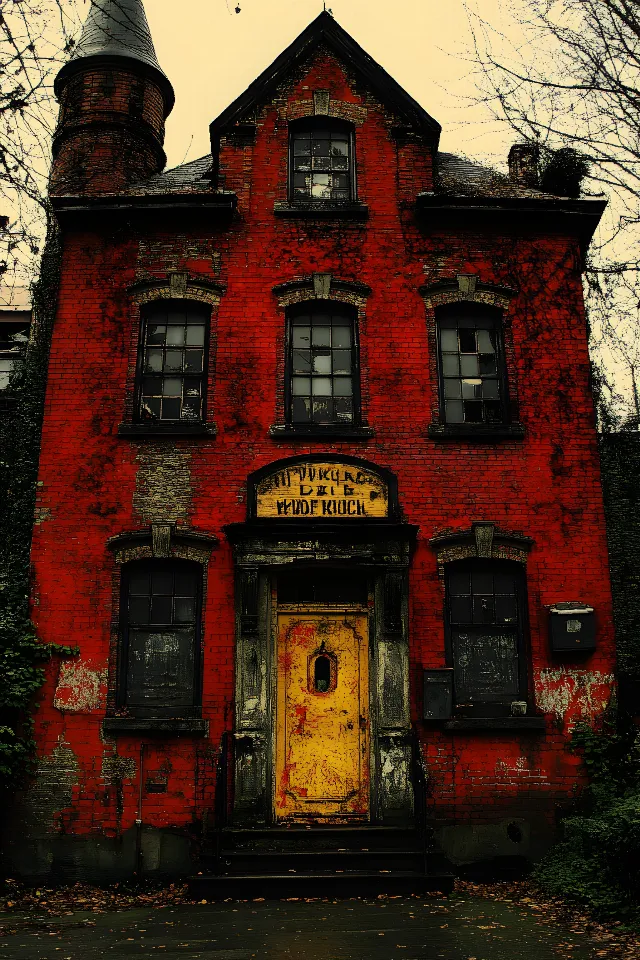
(323, 491)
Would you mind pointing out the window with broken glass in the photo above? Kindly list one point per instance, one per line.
(321, 162)
(172, 363)
(322, 383)
(472, 381)
(485, 612)
(13, 341)
(161, 634)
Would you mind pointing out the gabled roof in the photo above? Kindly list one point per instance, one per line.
(117, 31)
(324, 29)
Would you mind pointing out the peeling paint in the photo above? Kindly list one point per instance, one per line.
(573, 694)
(520, 770)
(394, 773)
(322, 732)
(51, 791)
(41, 514)
(117, 768)
(80, 688)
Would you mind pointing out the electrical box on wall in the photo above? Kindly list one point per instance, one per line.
(572, 628)
(438, 694)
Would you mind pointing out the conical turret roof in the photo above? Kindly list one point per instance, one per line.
(117, 31)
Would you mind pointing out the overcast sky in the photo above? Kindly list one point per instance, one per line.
(211, 54)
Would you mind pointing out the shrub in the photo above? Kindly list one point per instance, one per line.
(598, 860)
(563, 171)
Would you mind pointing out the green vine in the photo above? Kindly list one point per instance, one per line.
(598, 860)
(22, 654)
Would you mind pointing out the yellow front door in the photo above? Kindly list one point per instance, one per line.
(322, 755)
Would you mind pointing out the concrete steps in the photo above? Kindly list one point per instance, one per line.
(344, 861)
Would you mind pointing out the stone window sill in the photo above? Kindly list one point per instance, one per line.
(322, 209)
(521, 724)
(480, 433)
(163, 726)
(154, 430)
(330, 432)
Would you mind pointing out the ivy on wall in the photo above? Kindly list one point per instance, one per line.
(22, 654)
(620, 461)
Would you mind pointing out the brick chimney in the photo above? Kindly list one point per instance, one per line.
(523, 164)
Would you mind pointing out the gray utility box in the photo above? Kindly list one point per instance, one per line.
(572, 628)
(438, 694)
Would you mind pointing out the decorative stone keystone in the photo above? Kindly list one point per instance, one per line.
(322, 285)
(467, 285)
(178, 285)
(483, 533)
(321, 103)
(161, 539)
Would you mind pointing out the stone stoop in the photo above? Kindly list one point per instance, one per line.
(318, 861)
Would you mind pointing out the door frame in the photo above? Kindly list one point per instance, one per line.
(382, 551)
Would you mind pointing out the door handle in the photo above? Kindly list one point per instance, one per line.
(363, 723)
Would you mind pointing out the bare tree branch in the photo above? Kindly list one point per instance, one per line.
(572, 78)
(36, 37)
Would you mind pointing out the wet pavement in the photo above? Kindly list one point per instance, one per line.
(394, 928)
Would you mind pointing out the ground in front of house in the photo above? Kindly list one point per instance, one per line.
(496, 922)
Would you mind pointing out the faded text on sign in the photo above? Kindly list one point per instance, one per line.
(323, 491)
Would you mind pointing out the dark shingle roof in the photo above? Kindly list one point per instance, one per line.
(192, 177)
(456, 176)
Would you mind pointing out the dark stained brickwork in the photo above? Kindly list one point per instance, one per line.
(110, 131)
(620, 459)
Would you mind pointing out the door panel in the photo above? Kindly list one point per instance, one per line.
(322, 756)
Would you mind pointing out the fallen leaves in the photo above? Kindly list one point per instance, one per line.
(612, 942)
(83, 897)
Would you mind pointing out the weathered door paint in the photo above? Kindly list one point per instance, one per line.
(322, 756)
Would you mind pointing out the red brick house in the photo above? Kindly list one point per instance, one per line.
(319, 497)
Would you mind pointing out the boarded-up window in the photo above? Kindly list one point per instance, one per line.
(484, 613)
(162, 611)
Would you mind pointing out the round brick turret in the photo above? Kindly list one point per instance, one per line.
(114, 100)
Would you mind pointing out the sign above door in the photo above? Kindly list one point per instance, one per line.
(322, 490)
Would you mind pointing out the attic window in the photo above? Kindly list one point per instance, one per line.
(321, 161)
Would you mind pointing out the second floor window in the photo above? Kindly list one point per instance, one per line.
(322, 380)
(172, 372)
(472, 377)
(321, 161)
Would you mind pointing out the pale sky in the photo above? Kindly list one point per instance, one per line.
(211, 54)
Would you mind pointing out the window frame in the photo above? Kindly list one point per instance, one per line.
(496, 317)
(145, 312)
(318, 122)
(501, 706)
(334, 307)
(12, 353)
(124, 626)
